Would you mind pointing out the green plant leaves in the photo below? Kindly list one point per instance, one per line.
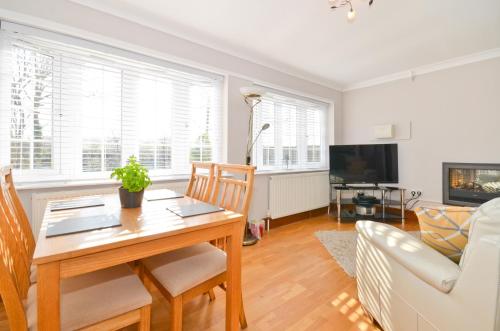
(134, 176)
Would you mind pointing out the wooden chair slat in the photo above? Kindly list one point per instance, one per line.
(229, 204)
(196, 191)
(223, 195)
(200, 185)
(238, 196)
(203, 186)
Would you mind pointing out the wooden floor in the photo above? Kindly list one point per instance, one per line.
(290, 282)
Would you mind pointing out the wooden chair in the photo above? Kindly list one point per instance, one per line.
(200, 184)
(192, 271)
(126, 301)
(16, 214)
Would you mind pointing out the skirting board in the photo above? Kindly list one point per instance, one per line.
(277, 222)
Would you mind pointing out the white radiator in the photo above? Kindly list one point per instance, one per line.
(296, 193)
(39, 200)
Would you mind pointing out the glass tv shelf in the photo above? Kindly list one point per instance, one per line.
(342, 195)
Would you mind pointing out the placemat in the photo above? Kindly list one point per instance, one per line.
(163, 194)
(82, 224)
(83, 202)
(197, 208)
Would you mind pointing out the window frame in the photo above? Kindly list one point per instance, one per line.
(302, 107)
(57, 173)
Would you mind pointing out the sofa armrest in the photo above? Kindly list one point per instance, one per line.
(424, 262)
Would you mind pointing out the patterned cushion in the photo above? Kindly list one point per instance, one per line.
(446, 229)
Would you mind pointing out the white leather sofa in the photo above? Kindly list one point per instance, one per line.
(408, 286)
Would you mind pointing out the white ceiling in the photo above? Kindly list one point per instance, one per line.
(306, 38)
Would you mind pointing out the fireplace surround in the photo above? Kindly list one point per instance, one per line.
(470, 184)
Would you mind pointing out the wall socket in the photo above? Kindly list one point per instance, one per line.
(415, 194)
(412, 198)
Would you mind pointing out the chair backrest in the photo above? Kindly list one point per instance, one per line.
(200, 184)
(14, 274)
(485, 221)
(15, 210)
(230, 193)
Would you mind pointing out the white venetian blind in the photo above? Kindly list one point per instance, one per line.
(72, 109)
(297, 135)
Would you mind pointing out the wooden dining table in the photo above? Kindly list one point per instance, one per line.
(145, 231)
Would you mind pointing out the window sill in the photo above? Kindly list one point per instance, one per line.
(285, 172)
(94, 182)
(23, 186)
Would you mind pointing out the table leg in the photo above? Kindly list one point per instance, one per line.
(233, 292)
(329, 200)
(402, 193)
(383, 204)
(339, 204)
(48, 296)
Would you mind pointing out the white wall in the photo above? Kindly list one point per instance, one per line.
(455, 115)
(70, 18)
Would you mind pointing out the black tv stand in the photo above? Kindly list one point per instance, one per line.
(339, 193)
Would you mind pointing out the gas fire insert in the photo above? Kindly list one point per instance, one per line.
(470, 184)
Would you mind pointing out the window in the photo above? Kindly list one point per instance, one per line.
(31, 110)
(296, 137)
(71, 109)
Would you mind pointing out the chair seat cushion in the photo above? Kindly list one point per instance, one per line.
(94, 297)
(185, 268)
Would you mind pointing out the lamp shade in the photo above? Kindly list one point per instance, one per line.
(251, 92)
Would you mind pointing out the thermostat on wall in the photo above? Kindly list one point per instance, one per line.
(384, 131)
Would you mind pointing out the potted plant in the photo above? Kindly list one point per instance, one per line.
(135, 179)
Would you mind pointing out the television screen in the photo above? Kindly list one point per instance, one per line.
(357, 164)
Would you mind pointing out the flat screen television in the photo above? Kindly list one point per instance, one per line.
(363, 164)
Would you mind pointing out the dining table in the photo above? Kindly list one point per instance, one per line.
(142, 232)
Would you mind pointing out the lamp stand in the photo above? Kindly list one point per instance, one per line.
(248, 238)
(252, 100)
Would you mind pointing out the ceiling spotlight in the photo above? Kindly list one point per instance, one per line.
(351, 14)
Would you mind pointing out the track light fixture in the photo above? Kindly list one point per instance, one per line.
(351, 14)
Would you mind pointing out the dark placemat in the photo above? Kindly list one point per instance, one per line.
(83, 202)
(82, 224)
(163, 194)
(197, 208)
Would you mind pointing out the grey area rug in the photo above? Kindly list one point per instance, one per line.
(342, 247)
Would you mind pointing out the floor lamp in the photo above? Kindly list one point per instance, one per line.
(252, 97)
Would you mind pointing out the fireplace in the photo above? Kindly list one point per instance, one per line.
(470, 184)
